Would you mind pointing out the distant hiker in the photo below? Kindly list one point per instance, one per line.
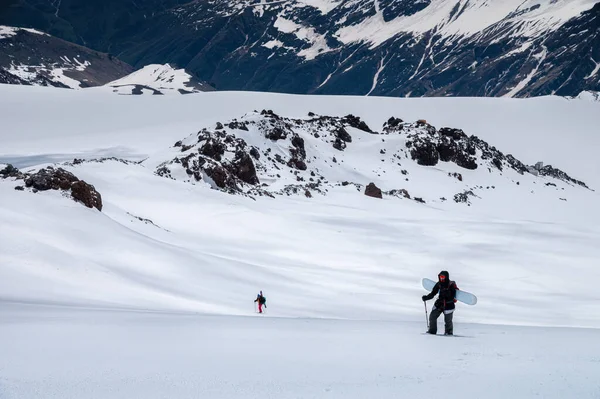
(261, 301)
(444, 303)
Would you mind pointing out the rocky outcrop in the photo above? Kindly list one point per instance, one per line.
(464, 197)
(86, 194)
(51, 178)
(549, 171)
(373, 191)
(220, 157)
(10, 171)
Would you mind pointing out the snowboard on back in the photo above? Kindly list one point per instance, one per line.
(463, 296)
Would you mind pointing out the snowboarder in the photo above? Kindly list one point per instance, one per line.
(262, 301)
(444, 303)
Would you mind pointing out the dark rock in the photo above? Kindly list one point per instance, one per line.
(463, 197)
(19, 188)
(425, 154)
(277, 133)
(343, 135)
(238, 125)
(373, 191)
(10, 171)
(311, 114)
(345, 183)
(219, 126)
(382, 152)
(218, 174)
(334, 160)
(213, 148)
(308, 194)
(339, 144)
(185, 148)
(268, 112)
(178, 144)
(497, 163)
(298, 151)
(455, 134)
(297, 163)
(394, 122)
(456, 175)
(465, 161)
(243, 168)
(87, 194)
(255, 153)
(355, 122)
(399, 193)
(447, 151)
(51, 179)
(77, 161)
(419, 199)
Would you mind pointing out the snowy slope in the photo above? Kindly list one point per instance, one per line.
(264, 241)
(150, 297)
(158, 79)
(97, 354)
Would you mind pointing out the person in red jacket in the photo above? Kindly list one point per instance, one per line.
(262, 301)
(444, 304)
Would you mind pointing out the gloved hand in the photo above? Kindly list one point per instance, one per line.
(424, 298)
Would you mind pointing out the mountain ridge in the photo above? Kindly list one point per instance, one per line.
(425, 48)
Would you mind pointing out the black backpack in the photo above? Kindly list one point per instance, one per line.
(262, 300)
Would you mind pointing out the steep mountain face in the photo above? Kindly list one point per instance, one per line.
(363, 47)
(35, 58)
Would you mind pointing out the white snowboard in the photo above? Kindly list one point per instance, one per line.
(463, 296)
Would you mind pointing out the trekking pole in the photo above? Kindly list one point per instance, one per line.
(426, 316)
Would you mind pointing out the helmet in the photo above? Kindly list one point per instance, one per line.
(444, 276)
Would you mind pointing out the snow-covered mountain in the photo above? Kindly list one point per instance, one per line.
(158, 79)
(32, 57)
(147, 290)
(512, 48)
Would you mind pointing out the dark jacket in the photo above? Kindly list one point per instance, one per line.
(447, 293)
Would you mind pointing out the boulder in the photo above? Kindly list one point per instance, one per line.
(373, 191)
(86, 194)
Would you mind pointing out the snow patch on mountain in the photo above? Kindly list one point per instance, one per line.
(9, 31)
(467, 18)
(324, 6)
(54, 72)
(317, 42)
(592, 96)
(158, 79)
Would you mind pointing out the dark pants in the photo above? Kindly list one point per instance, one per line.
(435, 313)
